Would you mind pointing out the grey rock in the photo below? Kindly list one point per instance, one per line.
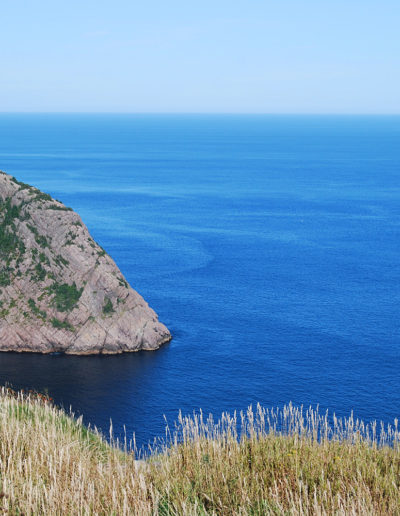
(59, 290)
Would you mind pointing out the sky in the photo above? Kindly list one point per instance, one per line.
(208, 56)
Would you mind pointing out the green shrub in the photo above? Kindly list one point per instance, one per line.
(43, 259)
(65, 296)
(35, 310)
(39, 239)
(23, 186)
(41, 196)
(40, 272)
(59, 260)
(11, 246)
(122, 283)
(5, 277)
(56, 323)
(108, 306)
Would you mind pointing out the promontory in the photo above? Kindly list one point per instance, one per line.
(59, 290)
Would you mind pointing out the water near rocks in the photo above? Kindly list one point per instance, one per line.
(269, 246)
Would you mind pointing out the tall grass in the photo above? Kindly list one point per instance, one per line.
(286, 461)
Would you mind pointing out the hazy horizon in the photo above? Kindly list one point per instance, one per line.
(259, 58)
(199, 113)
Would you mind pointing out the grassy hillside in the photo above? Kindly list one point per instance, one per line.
(51, 464)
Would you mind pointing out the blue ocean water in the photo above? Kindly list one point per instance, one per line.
(269, 245)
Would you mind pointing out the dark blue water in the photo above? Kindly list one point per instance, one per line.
(269, 246)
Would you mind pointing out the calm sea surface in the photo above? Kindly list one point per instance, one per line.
(268, 245)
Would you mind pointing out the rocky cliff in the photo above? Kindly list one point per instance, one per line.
(59, 290)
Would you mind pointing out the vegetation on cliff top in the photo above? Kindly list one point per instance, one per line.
(279, 462)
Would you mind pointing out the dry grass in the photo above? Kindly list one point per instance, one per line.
(282, 462)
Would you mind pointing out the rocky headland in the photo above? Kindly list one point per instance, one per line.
(59, 290)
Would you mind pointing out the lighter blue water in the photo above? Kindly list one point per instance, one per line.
(268, 245)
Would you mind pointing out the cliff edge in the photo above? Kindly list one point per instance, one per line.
(59, 290)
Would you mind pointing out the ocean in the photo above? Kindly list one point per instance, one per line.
(269, 246)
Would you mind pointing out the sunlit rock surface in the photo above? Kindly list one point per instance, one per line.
(59, 290)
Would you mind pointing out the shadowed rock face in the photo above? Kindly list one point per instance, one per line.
(59, 290)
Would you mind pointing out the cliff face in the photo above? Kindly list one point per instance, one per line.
(59, 290)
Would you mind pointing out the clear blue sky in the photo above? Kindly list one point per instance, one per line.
(257, 56)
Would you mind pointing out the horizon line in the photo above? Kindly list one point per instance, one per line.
(191, 113)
